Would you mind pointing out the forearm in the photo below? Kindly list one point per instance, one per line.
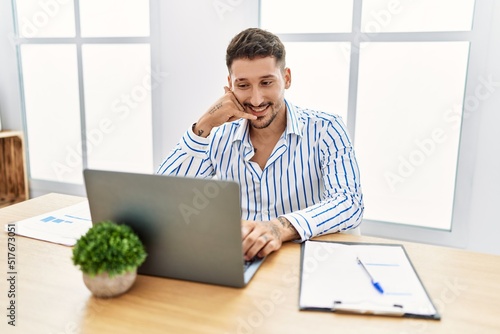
(337, 213)
(203, 127)
(225, 109)
(190, 157)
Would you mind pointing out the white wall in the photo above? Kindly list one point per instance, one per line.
(192, 51)
(484, 220)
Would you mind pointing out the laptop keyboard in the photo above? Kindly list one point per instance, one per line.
(247, 264)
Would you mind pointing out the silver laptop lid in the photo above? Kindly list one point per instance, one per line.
(191, 228)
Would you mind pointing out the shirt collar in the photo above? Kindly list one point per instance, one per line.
(293, 124)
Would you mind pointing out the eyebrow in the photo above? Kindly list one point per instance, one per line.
(269, 76)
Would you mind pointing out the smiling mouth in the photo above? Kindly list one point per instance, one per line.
(258, 111)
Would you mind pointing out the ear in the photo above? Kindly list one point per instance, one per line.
(287, 77)
(229, 82)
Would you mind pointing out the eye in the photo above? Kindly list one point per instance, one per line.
(266, 83)
(243, 86)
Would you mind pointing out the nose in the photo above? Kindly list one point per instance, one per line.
(256, 98)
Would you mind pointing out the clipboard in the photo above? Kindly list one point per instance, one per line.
(332, 279)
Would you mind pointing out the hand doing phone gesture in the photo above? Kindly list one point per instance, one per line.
(226, 109)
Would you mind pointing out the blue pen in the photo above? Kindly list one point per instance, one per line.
(375, 284)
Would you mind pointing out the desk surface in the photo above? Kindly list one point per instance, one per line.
(52, 298)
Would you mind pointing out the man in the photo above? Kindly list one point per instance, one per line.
(296, 167)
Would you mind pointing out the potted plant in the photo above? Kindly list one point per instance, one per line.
(108, 256)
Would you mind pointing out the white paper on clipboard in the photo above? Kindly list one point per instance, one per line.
(332, 279)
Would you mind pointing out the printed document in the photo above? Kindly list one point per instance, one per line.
(63, 226)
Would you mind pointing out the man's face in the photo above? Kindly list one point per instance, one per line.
(259, 85)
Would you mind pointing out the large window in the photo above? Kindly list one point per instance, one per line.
(396, 72)
(86, 83)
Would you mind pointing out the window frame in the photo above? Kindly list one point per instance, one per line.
(40, 186)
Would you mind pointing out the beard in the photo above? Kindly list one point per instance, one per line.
(266, 120)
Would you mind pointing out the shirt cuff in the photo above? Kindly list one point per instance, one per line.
(300, 223)
(194, 144)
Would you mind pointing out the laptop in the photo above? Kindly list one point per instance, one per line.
(190, 227)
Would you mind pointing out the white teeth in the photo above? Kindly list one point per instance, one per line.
(259, 109)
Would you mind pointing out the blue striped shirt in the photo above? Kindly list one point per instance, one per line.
(311, 177)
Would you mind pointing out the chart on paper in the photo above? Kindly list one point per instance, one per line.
(63, 226)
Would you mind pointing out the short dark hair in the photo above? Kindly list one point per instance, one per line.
(254, 43)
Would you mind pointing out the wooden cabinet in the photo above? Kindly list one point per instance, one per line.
(13, 178)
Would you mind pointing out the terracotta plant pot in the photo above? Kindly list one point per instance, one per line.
(103, 286)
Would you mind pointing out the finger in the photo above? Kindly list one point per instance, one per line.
(270, 247)
(256, 246)
(239, 106)
(235, 100)
(254, 249)
(237, 116)
(249, 241)
(246, 228)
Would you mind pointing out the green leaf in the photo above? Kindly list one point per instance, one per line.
(109, 247)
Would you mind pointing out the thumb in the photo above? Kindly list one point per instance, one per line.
(226, 89)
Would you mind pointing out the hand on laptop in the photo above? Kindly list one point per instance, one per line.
(226, 109)
(260, 238)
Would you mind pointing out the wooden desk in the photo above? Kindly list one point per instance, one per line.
(51, 296)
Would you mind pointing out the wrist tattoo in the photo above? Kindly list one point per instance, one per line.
(286, 224)
(200, 132)
(215, 108)
(275, 231)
